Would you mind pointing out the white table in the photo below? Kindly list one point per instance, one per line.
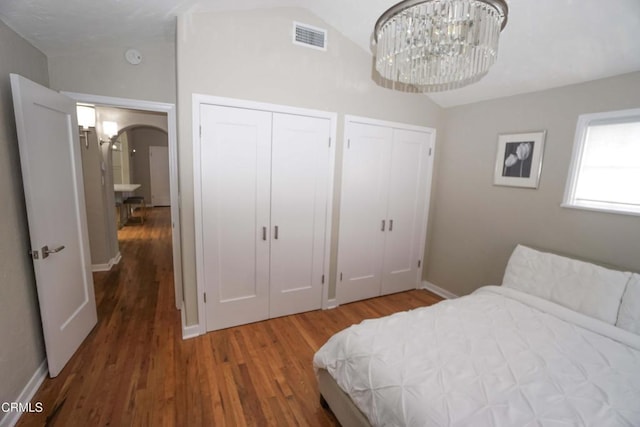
(125, 188)
(122, 191)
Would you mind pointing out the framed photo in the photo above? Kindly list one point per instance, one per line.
(519, 159)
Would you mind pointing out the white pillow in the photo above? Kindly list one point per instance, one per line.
(581, 286)
(629, 315)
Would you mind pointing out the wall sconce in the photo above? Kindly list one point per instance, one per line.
(86, 119)
(110, 129)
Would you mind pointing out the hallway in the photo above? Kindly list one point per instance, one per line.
(135, 369)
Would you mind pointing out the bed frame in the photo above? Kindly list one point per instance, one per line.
(337, 401)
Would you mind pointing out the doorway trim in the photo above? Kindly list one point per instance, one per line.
(170, 110)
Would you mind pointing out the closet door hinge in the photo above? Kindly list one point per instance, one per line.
(201, 135)
(348, 143)
(430, 149)
(205, 297)
(341, 277)
(329, 142)
(419, 263)
(322, 279)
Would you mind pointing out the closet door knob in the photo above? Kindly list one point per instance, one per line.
(383, 225)
(264, 233)
(275, 233)
(390, 225)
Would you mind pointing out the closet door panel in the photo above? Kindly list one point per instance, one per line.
(235, 175)
(405, 210)
(363, 208)
(299, 192)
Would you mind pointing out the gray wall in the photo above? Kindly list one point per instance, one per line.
(21, 344)
(100, 232)
(141, 138)
(104, 71)
(249, 55)
(476, 225)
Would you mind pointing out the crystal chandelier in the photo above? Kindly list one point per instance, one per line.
(438, 45)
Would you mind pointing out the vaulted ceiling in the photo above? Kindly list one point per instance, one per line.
(547, 43)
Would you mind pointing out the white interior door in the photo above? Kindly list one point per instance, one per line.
(365, 174)
(159, 175)
(54, 194)
(408, 179)
(299, 192)
(235, 170)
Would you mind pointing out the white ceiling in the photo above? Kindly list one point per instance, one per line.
(547, 43)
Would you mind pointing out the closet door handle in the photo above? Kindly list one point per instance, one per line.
(264, 233)
(390, 225)
(383, 225)
(275, 233)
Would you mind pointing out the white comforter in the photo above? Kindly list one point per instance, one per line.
(496, 358)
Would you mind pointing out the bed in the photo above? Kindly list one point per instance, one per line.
(557, 344)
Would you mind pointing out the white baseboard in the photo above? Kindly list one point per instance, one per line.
(100, 267)
(188, 331)
(438, 290)
(106, 267)
(11, 418)
(331, 303)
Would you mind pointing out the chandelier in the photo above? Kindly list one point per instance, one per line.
(438, 45)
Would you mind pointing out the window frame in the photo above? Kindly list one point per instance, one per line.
(584, 122)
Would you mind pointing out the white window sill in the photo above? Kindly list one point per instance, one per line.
(595, 207)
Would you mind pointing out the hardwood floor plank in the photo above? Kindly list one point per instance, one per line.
(134, 369)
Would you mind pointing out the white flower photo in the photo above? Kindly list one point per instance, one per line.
(519, 159)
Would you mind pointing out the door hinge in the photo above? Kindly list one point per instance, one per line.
(430, 150)
(419, 263)
(322, 279)
(348, 143)
(205, 297)
(329, 142)
(341, 277)
(200, 132)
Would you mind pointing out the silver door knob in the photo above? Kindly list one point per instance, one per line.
(46, 251)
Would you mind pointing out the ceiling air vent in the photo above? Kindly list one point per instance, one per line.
(306, 35)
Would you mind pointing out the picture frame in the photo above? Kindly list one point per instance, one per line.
(519, 159)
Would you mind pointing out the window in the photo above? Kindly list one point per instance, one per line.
(605, 168)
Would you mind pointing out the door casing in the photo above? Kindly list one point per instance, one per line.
(352, 122)
(201, 99)
(170, 110)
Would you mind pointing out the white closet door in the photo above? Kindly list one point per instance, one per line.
(235, 181)
(363, 208)
(299, 192)
(406, 210)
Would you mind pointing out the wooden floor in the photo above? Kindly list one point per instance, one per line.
(135, 369)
